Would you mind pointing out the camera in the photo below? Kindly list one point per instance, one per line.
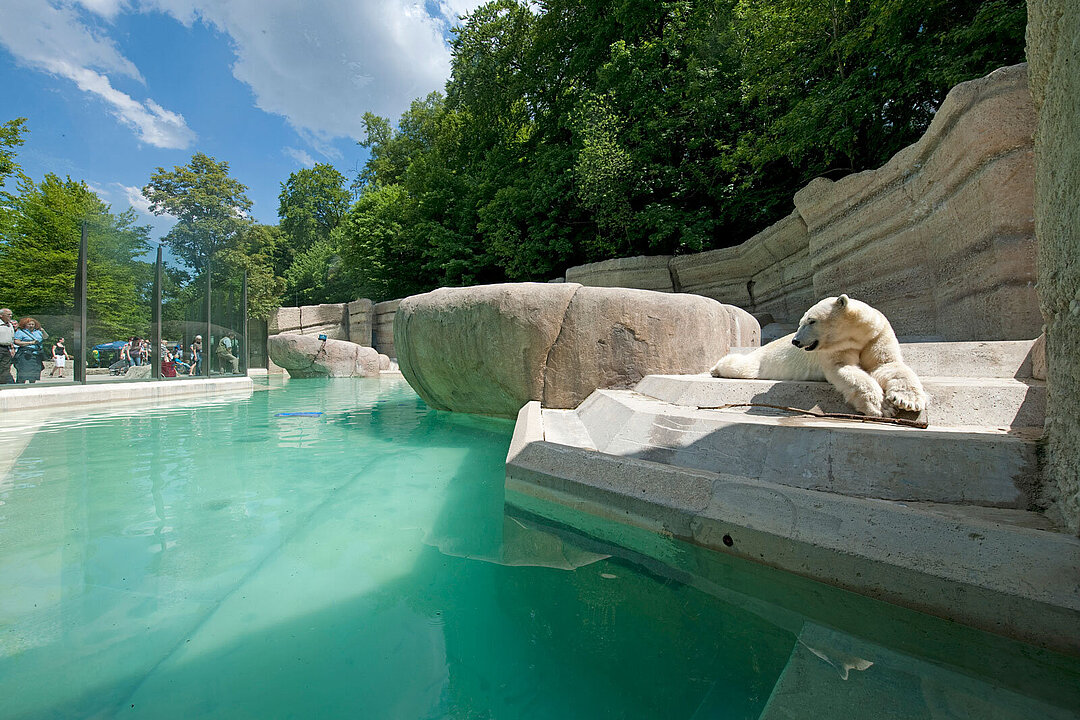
(323, 338)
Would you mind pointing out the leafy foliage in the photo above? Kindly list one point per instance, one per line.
(39, 257)
(209, 206)
(312, 204)
(578, 130)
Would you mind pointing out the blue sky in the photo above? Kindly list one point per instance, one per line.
(113, 89)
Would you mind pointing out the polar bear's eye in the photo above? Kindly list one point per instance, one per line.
(811, 322)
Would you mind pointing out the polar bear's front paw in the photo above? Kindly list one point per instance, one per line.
(869, 403)
(906, 398)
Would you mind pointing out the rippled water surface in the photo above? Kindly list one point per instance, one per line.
(224, 561)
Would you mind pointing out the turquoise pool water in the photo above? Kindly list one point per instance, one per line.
(221, 561)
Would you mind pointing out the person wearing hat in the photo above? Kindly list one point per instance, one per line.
(196, 356)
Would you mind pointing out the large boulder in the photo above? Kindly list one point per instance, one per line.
(307, 356)
(490, 349)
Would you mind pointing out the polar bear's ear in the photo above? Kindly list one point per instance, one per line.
(841, 301)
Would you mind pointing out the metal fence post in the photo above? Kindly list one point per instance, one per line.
(246, 353)
(207, 351)
(155, 348)
(80, 310)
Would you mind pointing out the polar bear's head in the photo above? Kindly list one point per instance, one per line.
(825, 325)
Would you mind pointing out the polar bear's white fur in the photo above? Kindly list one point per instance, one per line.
(846, 342)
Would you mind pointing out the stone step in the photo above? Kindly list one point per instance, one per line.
(565, 428)
(960, 464)
(1003, 570)
(995, 402)
(1000, 359)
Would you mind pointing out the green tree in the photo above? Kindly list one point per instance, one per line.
(11, 137)
(211, 208)
(578, 130)
(39, 256)
(312, 203)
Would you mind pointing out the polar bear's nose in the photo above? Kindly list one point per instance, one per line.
(795, 342)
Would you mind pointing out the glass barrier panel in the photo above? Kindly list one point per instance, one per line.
(38, 257)
(228, 319)
(183, 321)
(119, 295)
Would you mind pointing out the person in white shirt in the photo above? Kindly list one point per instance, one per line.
(7, 346)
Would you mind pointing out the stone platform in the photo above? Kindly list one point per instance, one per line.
(941, 520)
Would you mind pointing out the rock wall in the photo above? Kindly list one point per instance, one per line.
(941, 238)
(769, 273)
(1053, 48)
(383, 327)
(338, 321)
(643, 273)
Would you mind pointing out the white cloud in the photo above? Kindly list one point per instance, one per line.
(105, 8)
(55, 40)
(137, 200)
(453, 9)
(98, 190)
(322, 67)
(152, 123)
(299, 156)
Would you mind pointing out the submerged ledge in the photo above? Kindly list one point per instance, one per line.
(978, 566)
(36, 398)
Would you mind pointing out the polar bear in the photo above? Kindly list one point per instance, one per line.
(846, 342)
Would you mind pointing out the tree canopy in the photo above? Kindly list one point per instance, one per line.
(211, 208)
(39, 256)
(579, 130)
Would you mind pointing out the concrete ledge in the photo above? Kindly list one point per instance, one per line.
(959, 464)
(120, 392)
(989, 402)
(987, 569)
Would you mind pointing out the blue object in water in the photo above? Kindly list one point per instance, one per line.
(299, 414)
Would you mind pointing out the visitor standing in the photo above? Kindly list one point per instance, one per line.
(59, 356)
(7, 346)
(196, 356)
(29, 355)
(136, 351)
(125, 354)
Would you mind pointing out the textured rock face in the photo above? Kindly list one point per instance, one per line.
(383, 328)
(941, 238)
(643, 272)
(613, 337)
(482, 349)
(361, 320)
(490, 349)
(1054, 52)
(307, 356)
(338, 321)
(769, 273)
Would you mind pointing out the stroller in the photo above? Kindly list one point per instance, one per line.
(119, 367)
